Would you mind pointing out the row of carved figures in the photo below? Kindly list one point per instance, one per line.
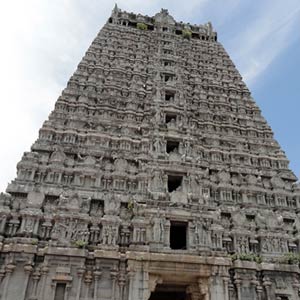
(111, 231)
(159, 146)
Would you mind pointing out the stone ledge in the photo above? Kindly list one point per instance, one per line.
(178, 258)
(26, 248)
(250, 265)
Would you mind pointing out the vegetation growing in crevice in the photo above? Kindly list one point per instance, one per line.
(187, 33)
(290, 258)
(141, 26)
(80, 244)
(247, 257)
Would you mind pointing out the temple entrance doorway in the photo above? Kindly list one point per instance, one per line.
(169, 292)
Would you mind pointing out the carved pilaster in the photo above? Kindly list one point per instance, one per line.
(9, 268)
(231, 291)
(255, 284)
(259, 291)
(80, 272)
(113, 275)
(3, 220)
(131, 277)
(237, 282)
(35, 278)
(122, 283)
(97, 276)
(27, 269)
(226, 281)
(88, 280)
(44, 272)
(2, 274)
(167, 233)
(267, 285)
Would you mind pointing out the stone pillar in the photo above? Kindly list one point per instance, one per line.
(226, 280)
(131, 276)
(255, 283)
(27, 269)
(231, 291)
(35, 277)
(44, 272)
(97, 276)
(9, 268)
(259, 291)
(3, 223)
(191, 235)
(267, 284)
(2, 275)
(167, 233)
(80, 272)
(88, 281)
(237, 283)
(122, 282)
(113, 275)
(296, 286)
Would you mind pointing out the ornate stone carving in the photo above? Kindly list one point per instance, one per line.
(155, 129)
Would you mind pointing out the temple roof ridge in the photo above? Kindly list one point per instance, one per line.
(162, 18)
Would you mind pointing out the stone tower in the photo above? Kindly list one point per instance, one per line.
(155, 177)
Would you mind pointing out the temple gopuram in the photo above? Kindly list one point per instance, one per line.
(155, 177)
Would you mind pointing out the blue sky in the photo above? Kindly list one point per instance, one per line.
(43, 41)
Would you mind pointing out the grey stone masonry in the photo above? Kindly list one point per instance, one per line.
(154, 177)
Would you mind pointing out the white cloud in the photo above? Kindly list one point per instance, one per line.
(274, 28)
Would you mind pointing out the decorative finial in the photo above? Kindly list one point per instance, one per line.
(164, 17)
(116, 9)
(164, 11)
(210, 28)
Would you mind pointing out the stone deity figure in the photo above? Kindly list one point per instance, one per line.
(63, 200)
(158, 228)
(105, 234)
(85, 205)
(157, 182)
(158, 146)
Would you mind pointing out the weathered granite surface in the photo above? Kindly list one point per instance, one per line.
(155, 135)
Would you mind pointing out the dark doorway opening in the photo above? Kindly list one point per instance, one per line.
(169, 292)
(60, 291)
(169, 96)
(282, 297)
(170, 117)
(168, 77)
(174, 182)
(168, 296)
(178, 236)
(172, 145)
(167, 63)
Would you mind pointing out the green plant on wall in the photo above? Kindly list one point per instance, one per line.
(130, 205)
(80, 244)
(186, 33)
(290, 258)
(247, 257)
(141, 26)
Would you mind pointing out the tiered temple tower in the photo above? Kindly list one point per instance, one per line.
(155, 177)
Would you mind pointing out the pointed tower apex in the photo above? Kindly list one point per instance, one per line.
(115, 9)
